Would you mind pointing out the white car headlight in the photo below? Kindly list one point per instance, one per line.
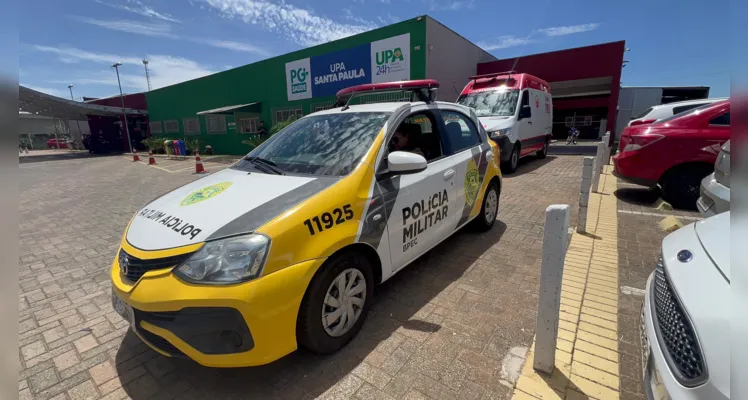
(227, 261)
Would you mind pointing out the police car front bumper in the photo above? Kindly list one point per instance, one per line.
(247, 324)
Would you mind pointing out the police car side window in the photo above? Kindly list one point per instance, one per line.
(461, 131)
(421, 134)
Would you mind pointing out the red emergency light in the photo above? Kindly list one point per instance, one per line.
(424, 89)
(492, 75)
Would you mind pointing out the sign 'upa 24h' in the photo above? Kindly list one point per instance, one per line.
(380, 61)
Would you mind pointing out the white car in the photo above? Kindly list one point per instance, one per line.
(686, 315)
(662, 111)
(715, 188)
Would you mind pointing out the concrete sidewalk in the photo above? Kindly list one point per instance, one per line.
(587, 356)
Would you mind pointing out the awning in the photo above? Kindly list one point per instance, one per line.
(56, 107)
(228, 109)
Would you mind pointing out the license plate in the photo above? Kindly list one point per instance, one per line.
(644, 343)
(706, 202)
(123, 309)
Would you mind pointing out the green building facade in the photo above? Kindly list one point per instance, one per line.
(223, 109)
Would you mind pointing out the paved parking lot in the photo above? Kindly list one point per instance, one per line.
(456, 324)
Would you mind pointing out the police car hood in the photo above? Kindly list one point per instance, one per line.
(491, 124)
(226, 203)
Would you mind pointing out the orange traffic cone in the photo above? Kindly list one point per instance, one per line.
(135, 155)
(198, 164)
(151, 159)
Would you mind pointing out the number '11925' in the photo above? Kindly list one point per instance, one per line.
(328, 220)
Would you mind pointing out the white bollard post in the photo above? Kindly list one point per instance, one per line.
(584, 194)
(555, 237)
(606, 149)
(598, 168)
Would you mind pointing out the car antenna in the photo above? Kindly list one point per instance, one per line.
(347, 106)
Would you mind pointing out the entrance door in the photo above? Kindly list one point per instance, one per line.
(425, 202)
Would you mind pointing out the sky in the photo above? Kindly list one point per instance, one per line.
(76, 41)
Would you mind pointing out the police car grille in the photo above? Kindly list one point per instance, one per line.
(137, 267)
(675, 331)
(160, 343)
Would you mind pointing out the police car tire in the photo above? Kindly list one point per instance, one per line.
(479, 223)
(309, 330)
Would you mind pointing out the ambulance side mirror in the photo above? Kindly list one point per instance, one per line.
(524, 112)
(404, 162)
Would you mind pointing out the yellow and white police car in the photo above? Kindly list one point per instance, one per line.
(283, 249)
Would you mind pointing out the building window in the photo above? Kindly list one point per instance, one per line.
(191, 126)
(156, 127)
(569, 121)
(286, 114)
(249, 125)
(322, 106)
(171, 126)
(215, 123)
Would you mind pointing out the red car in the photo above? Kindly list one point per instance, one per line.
(675, 153)
(57, 143)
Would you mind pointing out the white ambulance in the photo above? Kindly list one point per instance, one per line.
(516, 110)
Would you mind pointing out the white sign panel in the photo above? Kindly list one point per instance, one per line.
(298, 80)
(390, 59)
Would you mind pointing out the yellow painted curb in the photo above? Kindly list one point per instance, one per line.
(587, 347)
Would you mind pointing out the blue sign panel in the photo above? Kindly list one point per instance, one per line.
(341, 69)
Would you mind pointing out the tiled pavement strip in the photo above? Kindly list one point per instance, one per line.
(587, 353)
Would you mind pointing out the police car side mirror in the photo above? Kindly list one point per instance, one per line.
(404, 162)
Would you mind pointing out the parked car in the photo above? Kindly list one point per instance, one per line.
(662, 111)
(283, 248)
(516, 110)
(58, 143)
(675, 153)
(715, 188)
(686, 315)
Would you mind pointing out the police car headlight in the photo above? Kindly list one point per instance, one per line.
(227, 261)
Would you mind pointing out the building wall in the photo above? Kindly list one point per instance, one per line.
(451, 59)
(597, 61)
(264, 82)
(633, 101)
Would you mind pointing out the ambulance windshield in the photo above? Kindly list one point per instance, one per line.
(491, 103)
(327, 144)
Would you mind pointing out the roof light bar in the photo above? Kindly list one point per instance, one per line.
(424, 88)
(492, 75)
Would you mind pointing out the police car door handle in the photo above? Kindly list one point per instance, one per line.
(449, 174)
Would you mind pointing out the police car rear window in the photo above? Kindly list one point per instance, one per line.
(327, 144)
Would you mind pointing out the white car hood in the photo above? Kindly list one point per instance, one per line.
(495, 123)
(222, 204)
(714, 235)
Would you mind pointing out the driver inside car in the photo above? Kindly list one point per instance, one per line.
(406, 139)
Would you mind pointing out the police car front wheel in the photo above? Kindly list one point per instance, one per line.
(336, 303)
(490, 208)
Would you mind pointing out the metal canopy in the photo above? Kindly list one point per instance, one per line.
(227, 109)
(51, 106)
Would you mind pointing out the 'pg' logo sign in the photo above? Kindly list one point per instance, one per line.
(298, 80)
(390, 56)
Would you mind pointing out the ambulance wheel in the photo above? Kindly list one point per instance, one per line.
(544, 151)
(511, 165)
(336, 303)
(489, 210)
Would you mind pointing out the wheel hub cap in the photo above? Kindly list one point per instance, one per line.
(344, 302)
(492, 205)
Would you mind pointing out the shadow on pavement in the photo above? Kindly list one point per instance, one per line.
(60, 156)
(146, 374)
(639, 196)
(529, 164)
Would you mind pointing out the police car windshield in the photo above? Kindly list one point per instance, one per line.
(492, 103)
(327, 144)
